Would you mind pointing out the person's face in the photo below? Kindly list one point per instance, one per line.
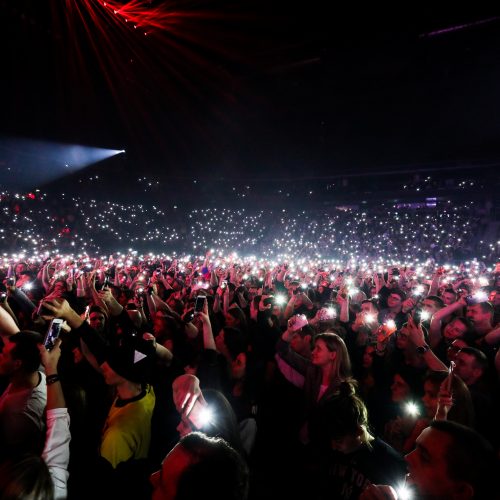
(238, 367)
(400, 390)
(495, 298)
(476, 314)
(465, 368)
(166, 479)
(7, 363)
(219, 342)
(429, 306)
(448, 298)
(453, 330)
(368, 355)
(299, 343)
(320, 355)
(394, 300)
(402, 338)
(97, 321)
(19, 269)
(427, 466)
(430, 398)
(367, 307)
(346, 444)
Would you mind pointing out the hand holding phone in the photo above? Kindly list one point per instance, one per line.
(53, 333)
(199, 304)
(200, 415)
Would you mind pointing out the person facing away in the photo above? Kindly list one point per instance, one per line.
(356, 458)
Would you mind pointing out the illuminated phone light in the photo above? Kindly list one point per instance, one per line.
(412, 409)
(391, 324)
(425, 315)
(369, 318)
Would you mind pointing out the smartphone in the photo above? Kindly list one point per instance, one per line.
(11, 281)
(3, 297)
(52, 333)
(470, 300)
(199, 416)
(200, 302)
(223, 284)
(449, 382)
(106, 281)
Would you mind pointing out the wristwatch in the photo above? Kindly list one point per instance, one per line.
(422, 349)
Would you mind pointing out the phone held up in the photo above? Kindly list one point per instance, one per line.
(199, 416)
(52, 333)
(199, 304)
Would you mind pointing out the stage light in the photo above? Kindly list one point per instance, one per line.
(38, 162)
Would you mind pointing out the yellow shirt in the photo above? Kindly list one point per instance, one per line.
(127, 431)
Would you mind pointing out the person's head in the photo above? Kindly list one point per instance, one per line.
(454, 348)
(370, 307)
(480, 314)
(432, 304)
(201, 467)
(451, 460)
(449, 296)
(346, 421)
(330, 351)
(232, 343)
(403, 337)
(396, 299)
(130, 361)
(471, 364)
(406, 385)
(457, 328)
(368, 356)
(20, 268)
(300, 341)
(97, 318)
(235, 318)
(462, 410)
(20, 354)
(24, 478)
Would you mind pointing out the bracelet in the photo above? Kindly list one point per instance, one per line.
(52, 379)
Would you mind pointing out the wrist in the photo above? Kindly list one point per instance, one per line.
(52, 379)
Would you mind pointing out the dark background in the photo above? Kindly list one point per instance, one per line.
(257, 92)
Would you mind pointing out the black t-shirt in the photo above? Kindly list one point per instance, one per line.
(347, 475)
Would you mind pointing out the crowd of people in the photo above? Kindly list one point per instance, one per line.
(155, 376)
(446, 231)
